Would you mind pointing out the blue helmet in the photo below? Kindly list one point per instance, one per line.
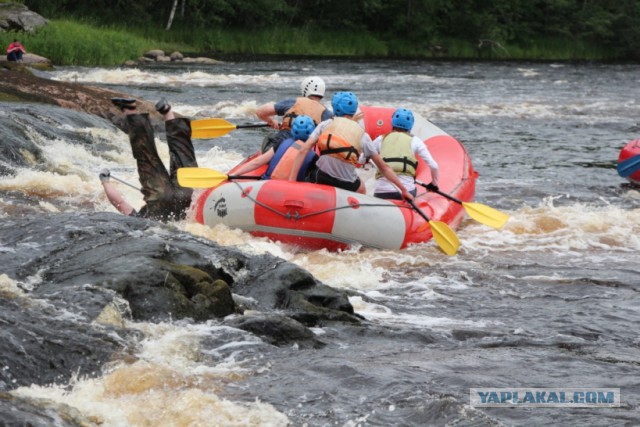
(344, 104)
(402, 119)
(301, 127)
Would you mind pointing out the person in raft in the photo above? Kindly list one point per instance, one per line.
(280, 156)
(339, 142)
(15, 51)
(312, 89)
(165, 200)
(399, 149)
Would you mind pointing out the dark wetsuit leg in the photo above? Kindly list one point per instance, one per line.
(182, 155)
(157, 189)
(153, 174)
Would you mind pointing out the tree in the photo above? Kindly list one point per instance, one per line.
(172, 14)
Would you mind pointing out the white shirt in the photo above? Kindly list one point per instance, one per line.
(419, 150)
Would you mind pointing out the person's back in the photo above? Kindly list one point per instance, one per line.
(399, 150)
(338, 141)
(309, 104)
(284, 156)
(280, 155)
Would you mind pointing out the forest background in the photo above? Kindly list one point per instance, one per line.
(108, 32)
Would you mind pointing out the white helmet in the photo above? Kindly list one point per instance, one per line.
(312, 86)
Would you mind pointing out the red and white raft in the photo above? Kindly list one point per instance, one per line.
(629, 160)
(314, 216)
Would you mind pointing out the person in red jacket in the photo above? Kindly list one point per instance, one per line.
(15, 51)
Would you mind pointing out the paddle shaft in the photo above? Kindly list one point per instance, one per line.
(417, 209)
(125, 183)
(260, 125)
(443, 194)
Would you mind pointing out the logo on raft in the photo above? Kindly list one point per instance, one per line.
(221, 208)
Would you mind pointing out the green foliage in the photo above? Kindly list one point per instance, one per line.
(499, 29)
(73, 43)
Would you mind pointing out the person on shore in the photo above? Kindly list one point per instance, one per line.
(165, 200)
(339, 143)
(280, 156)
(309, 104)
(15, 51)
(399, 149)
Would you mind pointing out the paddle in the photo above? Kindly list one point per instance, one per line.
(124, 182)
(629, 166)
(444, 236)
(481, 213)
(206, 178)
(214, 128)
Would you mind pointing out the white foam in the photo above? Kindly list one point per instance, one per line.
(167, 384)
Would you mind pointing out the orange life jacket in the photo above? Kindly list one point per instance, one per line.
(341, 139)
(283, 159)
(303, 107)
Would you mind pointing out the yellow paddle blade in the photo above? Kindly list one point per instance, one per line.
(210, 128)
(486, 215)
(200, 177)
(445, 237)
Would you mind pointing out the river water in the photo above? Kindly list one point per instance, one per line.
(548, 301)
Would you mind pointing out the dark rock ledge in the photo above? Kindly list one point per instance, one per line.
(92, 265)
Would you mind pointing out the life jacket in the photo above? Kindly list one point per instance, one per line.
(396, 152)
(303, 107)
(282, 161)
(341, 139)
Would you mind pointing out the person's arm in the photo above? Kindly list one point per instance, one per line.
(116, 199)
(266, 113)
(305, 147)
(421, 150)
(253, 164)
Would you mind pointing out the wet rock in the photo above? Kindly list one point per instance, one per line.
(16, 411)
(277, 330)
(43, 345)
(87, 262)
(161, 277)
(294, 291)
(16, 86)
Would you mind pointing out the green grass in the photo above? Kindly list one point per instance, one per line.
(75, 43)
(275, 41)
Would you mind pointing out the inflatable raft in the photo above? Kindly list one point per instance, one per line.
(314, 216)
(629, 162)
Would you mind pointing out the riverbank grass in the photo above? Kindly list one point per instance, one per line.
(74, 43)
(68, 42)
